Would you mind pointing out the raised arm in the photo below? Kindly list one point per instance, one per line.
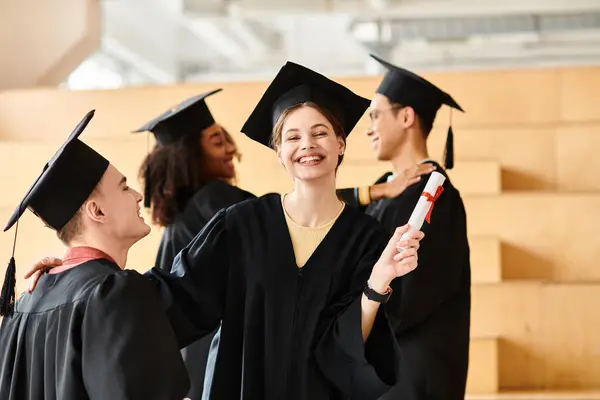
(350, 196)
(391, 264)
(193, 293)
(356, 348)
(361, 197)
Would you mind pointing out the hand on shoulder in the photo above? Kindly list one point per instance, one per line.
(401, 182)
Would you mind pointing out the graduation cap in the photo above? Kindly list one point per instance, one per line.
(191, 116)
(296, 84)
(409, 89)
(188, 117)
(59, 191)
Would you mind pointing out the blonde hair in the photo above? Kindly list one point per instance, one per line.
(74, 227)
(338, 129)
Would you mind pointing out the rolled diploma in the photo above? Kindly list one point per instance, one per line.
(423, 205)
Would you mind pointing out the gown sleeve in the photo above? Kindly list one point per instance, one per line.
(419, 294)
(219, 195)
(350, 197)
(360, 370)
(193, 293)
(129, 351)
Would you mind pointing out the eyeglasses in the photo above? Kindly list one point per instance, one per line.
(374, 114)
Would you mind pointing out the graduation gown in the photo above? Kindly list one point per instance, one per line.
(91, 332)
(430, 307)
(286, 332)
(206, 202)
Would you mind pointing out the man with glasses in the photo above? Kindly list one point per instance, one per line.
(430, 309)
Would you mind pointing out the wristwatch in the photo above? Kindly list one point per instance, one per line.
(376, 296)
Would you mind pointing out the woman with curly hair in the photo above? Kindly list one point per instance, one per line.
(188, 177)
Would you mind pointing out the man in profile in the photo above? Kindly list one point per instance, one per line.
(90, 330)
(431, 307)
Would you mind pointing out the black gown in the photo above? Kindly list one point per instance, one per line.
(206, 202)
(430, 308)
(286, 332)
(91, 332)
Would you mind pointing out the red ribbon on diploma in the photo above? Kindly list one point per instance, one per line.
(432, 199)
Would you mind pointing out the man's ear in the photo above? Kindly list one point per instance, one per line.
(409, 116)
(94, 211)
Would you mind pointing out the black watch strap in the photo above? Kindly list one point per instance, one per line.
(376, 296)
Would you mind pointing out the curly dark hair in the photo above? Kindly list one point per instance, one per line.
(176, 173)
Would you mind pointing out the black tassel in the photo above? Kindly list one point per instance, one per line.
(7, 296)
(449, 153)
(147, 187)
(147, 183)
(7, 299)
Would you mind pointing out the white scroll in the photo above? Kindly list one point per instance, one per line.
(433, 190)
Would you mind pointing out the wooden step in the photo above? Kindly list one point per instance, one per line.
(544, 235)
(550, 332)
(538, 395)
(486, 259)
(483, 366)
(470, 177)
(527, 154)
(532, 157)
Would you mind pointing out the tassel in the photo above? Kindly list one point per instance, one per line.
(147, 184)
(147, 187)
(7, 299)
(449, 153)
(449, 150)
(7, 296)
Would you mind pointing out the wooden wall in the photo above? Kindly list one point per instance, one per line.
(527, 166)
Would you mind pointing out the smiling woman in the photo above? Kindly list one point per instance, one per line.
(173, 173)
(326, 127)
(188, 178)
(293, 283)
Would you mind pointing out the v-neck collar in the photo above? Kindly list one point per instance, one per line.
(289, 246)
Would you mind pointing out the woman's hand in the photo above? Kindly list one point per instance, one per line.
(40, 268)
(394, 262)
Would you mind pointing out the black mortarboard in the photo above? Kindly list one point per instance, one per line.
(295, 84)
(190, 116)
(59, 191)
(409, 89)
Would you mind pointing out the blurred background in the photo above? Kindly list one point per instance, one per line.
(116, 43)
(526, 72)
